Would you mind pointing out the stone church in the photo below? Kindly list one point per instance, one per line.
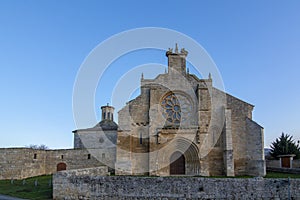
(178, 125)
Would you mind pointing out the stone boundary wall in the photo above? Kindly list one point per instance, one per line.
(296, 163)
(94, 171)
(69, 186)
(284, 170)
(276, 163)
(20, 163)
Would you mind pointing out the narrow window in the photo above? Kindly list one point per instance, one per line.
(104, 115)
(141, 138)
(213, 137)
(157, 135)
(108, 115)
(35, 156)
(89, 156)
(103, 155)
(62, 156)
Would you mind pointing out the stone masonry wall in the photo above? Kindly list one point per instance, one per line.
(68, 185)
(73, 158)
(19, 163)
(62, 179)
(276, 163)
(255, 149)
(239, 111)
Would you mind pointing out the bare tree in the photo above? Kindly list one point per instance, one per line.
(39, 147)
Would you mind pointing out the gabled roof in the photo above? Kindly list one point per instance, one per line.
(104, 125)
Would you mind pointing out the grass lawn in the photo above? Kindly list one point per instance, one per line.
(27, 189)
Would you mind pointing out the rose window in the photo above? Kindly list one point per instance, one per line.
(177, 108)
(171, 109)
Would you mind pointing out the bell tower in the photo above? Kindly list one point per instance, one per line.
(107, 112)
(177, 60)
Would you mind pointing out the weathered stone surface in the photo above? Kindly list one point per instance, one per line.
(212, 131)
(218, 127)
(276, 163)
(69, 186)
(19, 163)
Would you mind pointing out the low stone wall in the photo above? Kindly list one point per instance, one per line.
(284, 170)
(94, 171)
(276, 163)
(296, 163)
(68, 185)
(272, 163)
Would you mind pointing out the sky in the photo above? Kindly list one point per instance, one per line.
(255, 45)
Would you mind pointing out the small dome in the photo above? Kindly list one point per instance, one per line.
(107, 125)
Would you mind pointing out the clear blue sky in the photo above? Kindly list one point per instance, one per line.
(255, 44)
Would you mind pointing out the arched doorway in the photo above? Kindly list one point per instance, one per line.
(177, 163)
(167, 155)
(61, 167)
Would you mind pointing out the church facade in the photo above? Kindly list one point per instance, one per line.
(178, 125)
(181, 124)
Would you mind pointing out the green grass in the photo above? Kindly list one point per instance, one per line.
(28, 191)
(281, 175)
